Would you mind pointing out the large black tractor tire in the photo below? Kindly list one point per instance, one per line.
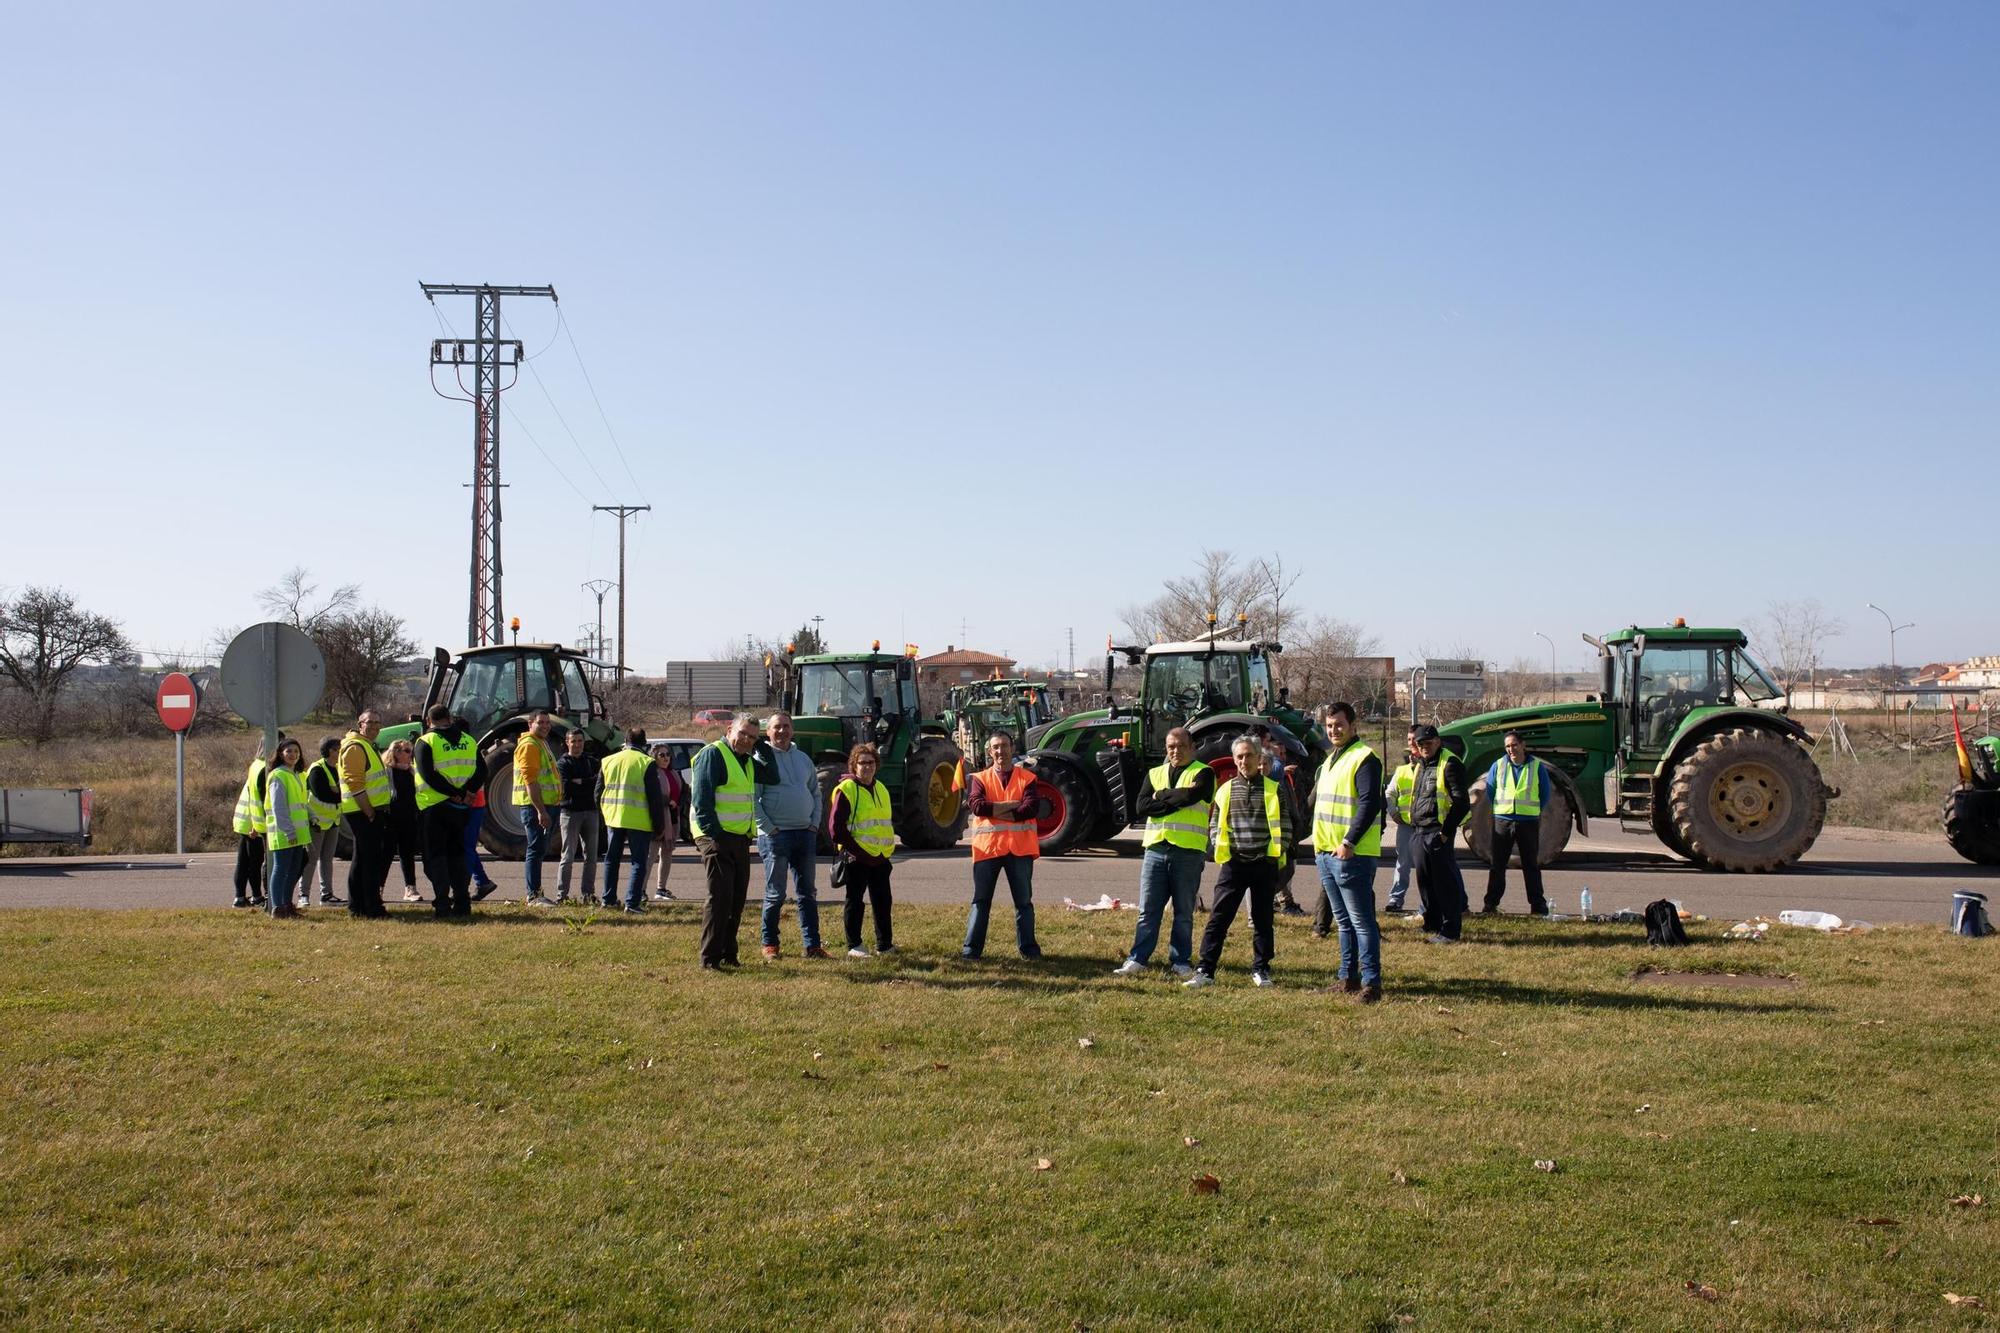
(1073, 806)
(1664, 830)
(1558, 822)
(830, 776)
(503, 835)
(1972, 824)
(1747, 800)
(929, 814)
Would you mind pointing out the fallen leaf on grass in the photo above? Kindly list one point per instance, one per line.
(1643, 1109)
(1445, 1010)
(1189, 1140)
(1544, 1164)
(816, 1055)
(939, 1065)
(817, 1078)
(1876, 1222)
(1156, 1092)
(1397, 1177)
(1969, 1302)
(1701, 1291)
(1891, 1253)
(1207, 1184)
(1043, 1164)
(1084, 1043)
(1969, 1201)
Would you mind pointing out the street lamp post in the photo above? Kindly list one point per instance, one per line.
(1894, 629)
(1552, 658)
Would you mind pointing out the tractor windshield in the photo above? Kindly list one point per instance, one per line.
(1752, 681)
(487, 689)
(828, 689)
(1676, 679)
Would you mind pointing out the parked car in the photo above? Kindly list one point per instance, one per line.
(714, 717)
(683, 749)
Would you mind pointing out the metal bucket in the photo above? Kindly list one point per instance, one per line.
(1968, 914)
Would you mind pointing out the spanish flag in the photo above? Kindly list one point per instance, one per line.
(1964, 755)
(958, 775)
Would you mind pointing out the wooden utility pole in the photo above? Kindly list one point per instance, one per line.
(624, 512)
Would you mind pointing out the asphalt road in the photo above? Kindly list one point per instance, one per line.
(1857, 874)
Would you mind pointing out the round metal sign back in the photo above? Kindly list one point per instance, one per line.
(273, 674)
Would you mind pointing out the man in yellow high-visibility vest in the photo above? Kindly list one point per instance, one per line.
(1176, 804)
(1517, 786)
(449, 770)
(1347, 840)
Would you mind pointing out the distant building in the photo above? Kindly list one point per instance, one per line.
(957, 666)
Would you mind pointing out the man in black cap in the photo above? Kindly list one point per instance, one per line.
(1437, 805)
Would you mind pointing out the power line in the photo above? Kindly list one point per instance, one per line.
(506, 407)
(601, 415)
(543, 386)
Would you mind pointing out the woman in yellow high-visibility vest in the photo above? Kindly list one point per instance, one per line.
(861, 822)
(288, 824)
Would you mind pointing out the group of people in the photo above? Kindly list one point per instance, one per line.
(749, 791)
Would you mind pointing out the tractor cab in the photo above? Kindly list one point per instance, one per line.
(1656, 679)
(1187, 683)
(868, 697)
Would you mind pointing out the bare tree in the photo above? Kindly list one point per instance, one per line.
(44, 638)
(1792, 637)
(294, 600)
(1331, 659)
(362, 649)
(1221, 585)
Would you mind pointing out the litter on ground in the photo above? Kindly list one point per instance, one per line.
(1105, 903)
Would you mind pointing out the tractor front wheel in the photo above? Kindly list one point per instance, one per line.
(1747, 800)
(1557, 824)
(1972, 824)
(931, 813)
(1066, 824)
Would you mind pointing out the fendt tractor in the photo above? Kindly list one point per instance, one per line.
(1675, 741)
(495, 690)
(1218, 689)
(1972, 808)
(839, 700)
(974, 712)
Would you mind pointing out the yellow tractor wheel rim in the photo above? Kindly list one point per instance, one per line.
(943, 800)
(1750, 799)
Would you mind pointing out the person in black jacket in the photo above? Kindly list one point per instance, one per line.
(406, 841)
(323, 787)
(578, 770)
(1438, 805)
(444, 798)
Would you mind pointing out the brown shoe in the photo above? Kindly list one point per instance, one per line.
(1368, 995)
(817, 952)
(770, 951)
(1352, 985)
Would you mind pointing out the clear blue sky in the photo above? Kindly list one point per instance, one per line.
(908, 315)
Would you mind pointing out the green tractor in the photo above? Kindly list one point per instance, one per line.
(974, 712)
(1972, 809)
(495, 690)
(839, 700)
(1096, 762)
(1675, 742)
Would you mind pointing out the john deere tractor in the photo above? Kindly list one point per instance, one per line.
(1096, 762)
(839, 700)
(495, 690)
(1972, 809)
(1675, 742)
(976, 711)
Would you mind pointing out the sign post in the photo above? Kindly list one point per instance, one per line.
(177, 701)
(273, 675)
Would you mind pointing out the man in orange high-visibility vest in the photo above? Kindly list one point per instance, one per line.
(1004, 838)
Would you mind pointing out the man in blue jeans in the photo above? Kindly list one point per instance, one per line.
(1347, 839)
(788, 817)
(1177, 801)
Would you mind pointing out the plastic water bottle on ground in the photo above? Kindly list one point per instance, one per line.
(1583, 903)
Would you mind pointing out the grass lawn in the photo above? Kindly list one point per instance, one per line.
(215, 1120)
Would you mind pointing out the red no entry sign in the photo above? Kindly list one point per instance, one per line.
(176, 701)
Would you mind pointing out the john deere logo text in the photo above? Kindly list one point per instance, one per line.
(1550, 721)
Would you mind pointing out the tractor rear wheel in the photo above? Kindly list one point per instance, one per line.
(930, 814)
(503, 834)
(1067, 823)
(1557, 824)
(1972, 824)
(1747, 800)
(830, 775)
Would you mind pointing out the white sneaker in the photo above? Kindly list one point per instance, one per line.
(1198, 980)
(536, 900)
(1183, 970)
(1261, 979)
(1131, 967)
(857, 953)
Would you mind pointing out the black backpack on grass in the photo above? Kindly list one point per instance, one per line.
(1663, 925)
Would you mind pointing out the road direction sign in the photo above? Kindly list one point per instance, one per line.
(176, 701)
(273, 675)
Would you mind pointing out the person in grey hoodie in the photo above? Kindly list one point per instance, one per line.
(788, 819)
